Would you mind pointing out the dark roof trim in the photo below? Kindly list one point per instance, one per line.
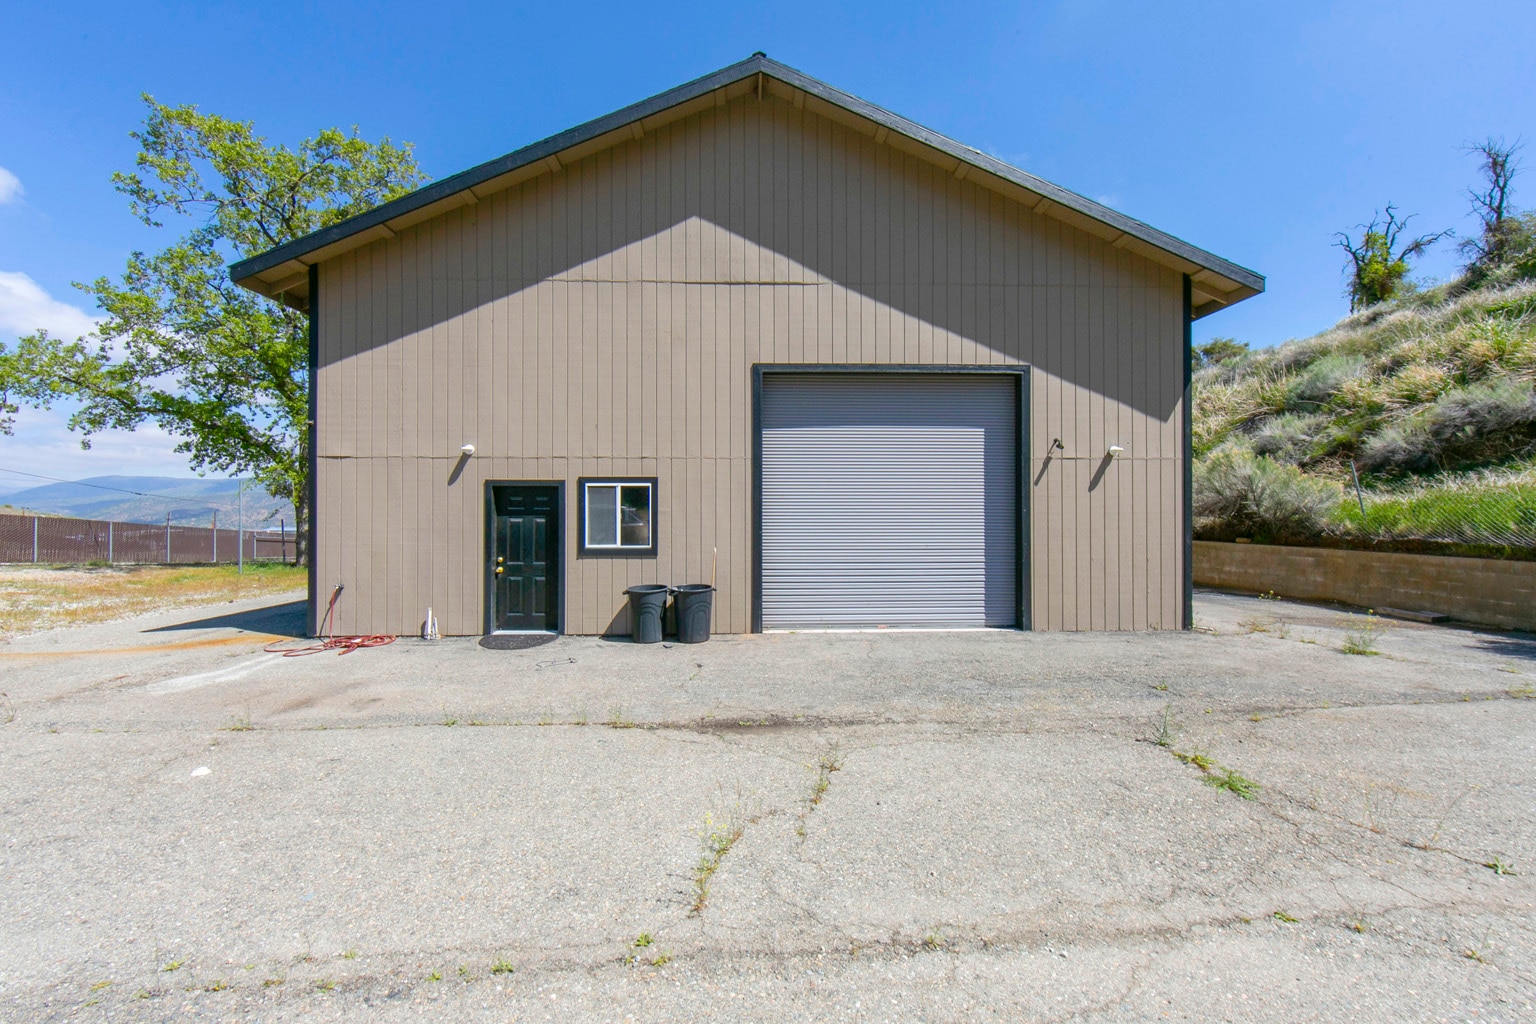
(753, 65)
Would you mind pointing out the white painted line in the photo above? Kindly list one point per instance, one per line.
(179, 684)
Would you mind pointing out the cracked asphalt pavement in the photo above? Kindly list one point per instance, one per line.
(915, 826)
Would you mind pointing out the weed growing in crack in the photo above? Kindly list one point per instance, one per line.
(325, 985)
(934, 941)
(1219, 776)
(1499, 867)
(435, 976)
(241, 724)
(717, 837)
(829, 762)
(1229, 780)
(1166, 729)
(547, 718)
(618, 720)
(1357, 925)
(1285, 918)
(581, 717)
(1363, 634)
(450, 722)
(9, 714)
(173, 965)
(502, 967)
(273, 982)
(643, 939)
(664, 957)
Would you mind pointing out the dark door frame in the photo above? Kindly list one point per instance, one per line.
(1021, 504)
(488, 563)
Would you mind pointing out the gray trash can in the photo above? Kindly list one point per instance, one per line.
(647, 603)
(695, 607)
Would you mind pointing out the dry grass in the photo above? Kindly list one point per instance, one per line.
(34, 598)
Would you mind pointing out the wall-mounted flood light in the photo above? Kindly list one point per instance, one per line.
(467, 449)
(1114, 451)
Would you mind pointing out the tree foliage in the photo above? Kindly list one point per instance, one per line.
(1491, 202)
(1219, 350)
(223, 370)
(1378, 263)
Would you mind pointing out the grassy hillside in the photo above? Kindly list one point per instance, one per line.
(1433, 399)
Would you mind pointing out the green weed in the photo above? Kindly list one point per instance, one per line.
(1499, 867)
(1232, 782)
(1361, 637)
(1285, 918)
(502, 967)
(717, 837)
(643, 939)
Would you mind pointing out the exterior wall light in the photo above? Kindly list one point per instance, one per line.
(1114, 451)
(467, 449)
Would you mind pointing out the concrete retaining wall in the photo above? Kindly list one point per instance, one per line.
(1485, 591)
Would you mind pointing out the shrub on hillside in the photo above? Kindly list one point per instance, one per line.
(1474, 424)
(1238, 494)
(1288, 438)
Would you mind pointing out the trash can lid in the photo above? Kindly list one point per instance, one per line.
(693, 588)
(648, 588)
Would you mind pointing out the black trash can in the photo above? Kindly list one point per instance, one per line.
(646, 605)
(695, 607)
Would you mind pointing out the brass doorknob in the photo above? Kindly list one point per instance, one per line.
(498, 570)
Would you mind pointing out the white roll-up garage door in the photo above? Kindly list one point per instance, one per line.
(889, 500)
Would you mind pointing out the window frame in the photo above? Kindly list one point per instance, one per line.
(621, 550)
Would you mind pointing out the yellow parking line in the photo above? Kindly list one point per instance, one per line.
(183, 645)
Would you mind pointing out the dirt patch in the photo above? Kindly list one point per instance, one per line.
(35, 598)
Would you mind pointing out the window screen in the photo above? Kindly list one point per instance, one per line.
(618, 516)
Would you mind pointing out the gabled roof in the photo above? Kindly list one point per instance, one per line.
(283, 272)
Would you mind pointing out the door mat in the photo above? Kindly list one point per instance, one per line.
(516, 641)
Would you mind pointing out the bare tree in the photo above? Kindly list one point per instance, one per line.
(1491, 203)
(1378, 262)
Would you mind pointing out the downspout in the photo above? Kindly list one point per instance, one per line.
(312, 626)
(1189, 456)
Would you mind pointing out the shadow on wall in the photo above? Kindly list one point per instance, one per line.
(843, 211)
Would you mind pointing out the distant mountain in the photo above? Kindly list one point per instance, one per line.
(147, 499)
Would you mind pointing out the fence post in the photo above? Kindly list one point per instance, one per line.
(110, 559)
(167, 538)
(34, 538)
(215, 537)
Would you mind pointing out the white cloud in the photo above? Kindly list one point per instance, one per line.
(10, 187)
(43, 443)
(26, 307)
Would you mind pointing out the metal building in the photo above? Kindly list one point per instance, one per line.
(757, 329)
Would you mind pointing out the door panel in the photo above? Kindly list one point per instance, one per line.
(524, 558)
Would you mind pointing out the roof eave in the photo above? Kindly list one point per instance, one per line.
(282, 272)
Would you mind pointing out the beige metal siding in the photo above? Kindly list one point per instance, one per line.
(604, 319)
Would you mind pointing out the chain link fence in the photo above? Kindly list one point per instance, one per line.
(55, 540)
(1487, 515)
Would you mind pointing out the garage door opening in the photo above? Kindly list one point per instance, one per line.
(890, 500)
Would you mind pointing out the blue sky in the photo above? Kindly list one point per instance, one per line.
(1254, 131)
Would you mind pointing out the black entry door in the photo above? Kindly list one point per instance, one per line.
(524, 557)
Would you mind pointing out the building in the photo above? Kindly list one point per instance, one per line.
(757, 331)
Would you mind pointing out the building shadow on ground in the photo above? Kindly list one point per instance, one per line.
(1508, 645)
(279, 619)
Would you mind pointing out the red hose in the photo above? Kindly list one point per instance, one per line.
(340, 644)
